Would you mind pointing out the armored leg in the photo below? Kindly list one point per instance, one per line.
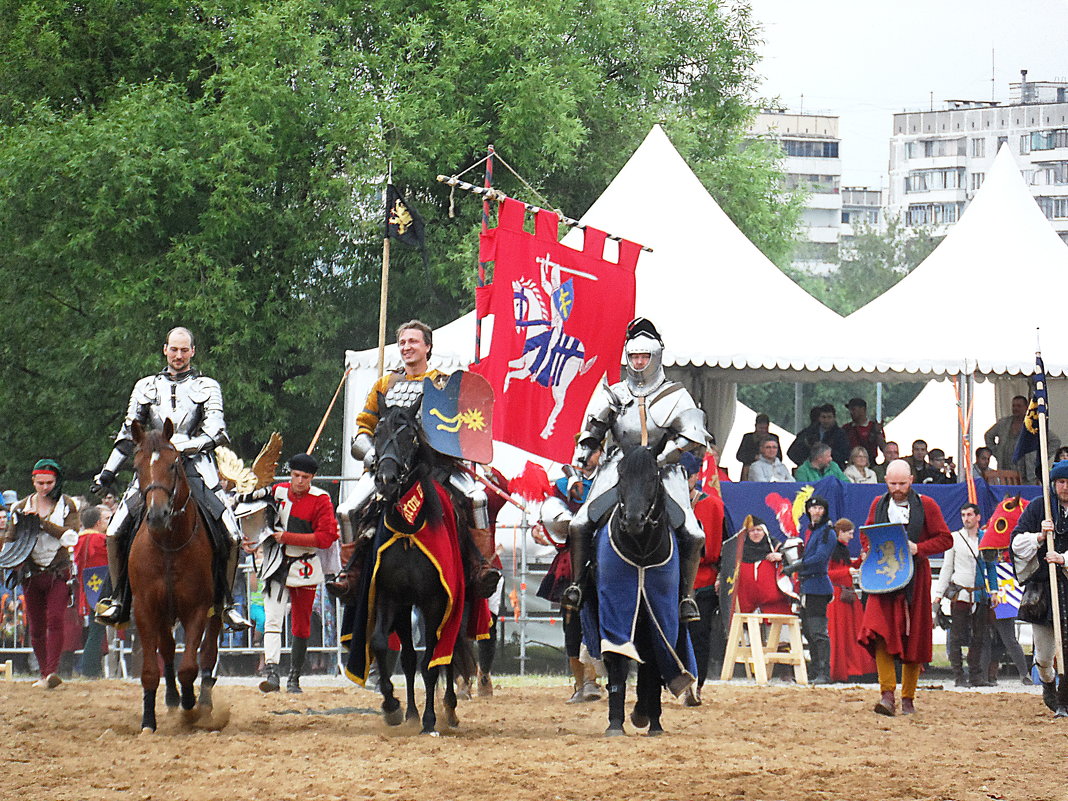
(690, 548)
(580, 532)
(233, 619)
(349, 510)
(112, 610)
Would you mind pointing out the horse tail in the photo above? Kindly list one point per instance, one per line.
(464, 664)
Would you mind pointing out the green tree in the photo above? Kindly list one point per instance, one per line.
(220, 167)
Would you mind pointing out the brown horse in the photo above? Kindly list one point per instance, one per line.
(171, 579)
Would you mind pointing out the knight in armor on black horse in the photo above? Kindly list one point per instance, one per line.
(643, 409)
(404, 388)
(193, 402)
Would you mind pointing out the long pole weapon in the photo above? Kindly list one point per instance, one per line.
(1043, 446)
(488, 185)
(384, 294)
(330, 408)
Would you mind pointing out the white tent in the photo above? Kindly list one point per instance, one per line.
(932, 417)
(974, 303)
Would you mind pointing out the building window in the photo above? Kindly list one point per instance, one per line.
(1025, 144)
(1049, 140)
(929, 180)
(977, 180)
(1002, 140)
(808, 149)
(934, 213)
(978, 148)
(1050, 173)
(931, 148)
(1055, 208)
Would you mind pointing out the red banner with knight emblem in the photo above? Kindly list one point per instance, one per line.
(560, 315)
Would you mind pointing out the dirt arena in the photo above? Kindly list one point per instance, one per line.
(81, 741)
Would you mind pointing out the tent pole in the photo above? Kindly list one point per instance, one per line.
(879, 400)
(799, 392)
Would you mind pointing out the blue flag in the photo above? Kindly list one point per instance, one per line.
(1028, 439)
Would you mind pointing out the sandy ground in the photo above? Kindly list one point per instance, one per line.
(81, 741)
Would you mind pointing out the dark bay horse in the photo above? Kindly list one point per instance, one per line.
(171, 580)
(405, 578)
(635, 614)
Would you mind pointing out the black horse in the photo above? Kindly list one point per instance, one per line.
(637, 578)
(404, 576)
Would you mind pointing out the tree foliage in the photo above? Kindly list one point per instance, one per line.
(220, 166)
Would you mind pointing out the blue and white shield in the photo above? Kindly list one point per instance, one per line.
(888, 565)
(564, 298)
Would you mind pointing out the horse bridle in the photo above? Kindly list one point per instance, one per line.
(649, 520)
(385, 454)
(158, 487)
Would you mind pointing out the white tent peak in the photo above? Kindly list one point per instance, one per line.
(1000, 258)
(704, 281)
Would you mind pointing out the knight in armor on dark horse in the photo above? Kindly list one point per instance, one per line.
(193, 403)
(643, 409)
(404, 388)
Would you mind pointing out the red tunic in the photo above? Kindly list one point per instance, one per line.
(848, 658)
(709, 512)
(906, 625)
(757, 589)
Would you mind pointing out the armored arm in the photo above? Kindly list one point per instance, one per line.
(598, 424)
(136, 409)
(689, 435)
(213, 426)
(363, 449)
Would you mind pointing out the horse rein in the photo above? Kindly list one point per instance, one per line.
(156, 486)
(404, 471)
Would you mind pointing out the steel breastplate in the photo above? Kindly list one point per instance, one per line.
(180, 401)
(404, 394)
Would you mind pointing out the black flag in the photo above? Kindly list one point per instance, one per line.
(403, 222)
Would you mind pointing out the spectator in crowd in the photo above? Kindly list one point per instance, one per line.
(707, 634)
(52, 519)
(965, 582)
(816, 589)
(982, 462)
(305, 524)
(757, 584)
(845, 611)
(890, 454)
(940, 469)
(749, 447)
(721, 471)
(823, 429)
(862, 432)
(820, 465)
(917, 462)
(1002, 436)
(1028, 546)
(898, 624)
(768, 467)
(1061, 454)
(91, 561)
(3, 518)
(857, 470)
(10, 498)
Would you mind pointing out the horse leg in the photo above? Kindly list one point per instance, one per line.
(616, 666)
(187, 672)
(648, 692)
(430, 682)
(166, 653)
(149, 671)
(384, 615)
(209, 655)
(409, 660)
(452, 720)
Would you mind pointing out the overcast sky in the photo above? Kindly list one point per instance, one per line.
(864, 61)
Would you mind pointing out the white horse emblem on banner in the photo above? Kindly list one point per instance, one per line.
(551, 357)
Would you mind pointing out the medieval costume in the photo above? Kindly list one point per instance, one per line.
(844, 616)
(898, 624)
(756, 585)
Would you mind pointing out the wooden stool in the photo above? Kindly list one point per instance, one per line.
(6, 670)
(756, 655)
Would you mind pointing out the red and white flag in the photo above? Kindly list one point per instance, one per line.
(560, 316)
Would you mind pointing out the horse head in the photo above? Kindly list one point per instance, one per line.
(641, 493)
(159, 473)
(398, 448)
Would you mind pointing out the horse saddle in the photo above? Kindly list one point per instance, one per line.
(14, 553)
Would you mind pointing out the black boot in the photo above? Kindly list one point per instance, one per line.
(689, 562)
(578, 543)
(1062, 699)
(1049, 694)
(231, 618)
(111, 611)
(271, 682)
(296, 664)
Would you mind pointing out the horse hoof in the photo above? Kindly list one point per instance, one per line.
(431, 733)
(191, 716)
(613, 731)
(394, 718)
(655, 732)
(147, 731)
(451, 718)
(639, 719)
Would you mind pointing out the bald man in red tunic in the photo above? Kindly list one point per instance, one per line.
(898, 625)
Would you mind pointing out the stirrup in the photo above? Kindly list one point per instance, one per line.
(234, 620)
(688, 611)
(109, 612)
(571, 600)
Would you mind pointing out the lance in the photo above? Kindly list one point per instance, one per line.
(1043, 449)
(384, 293)
(330, 408)
(486, 197)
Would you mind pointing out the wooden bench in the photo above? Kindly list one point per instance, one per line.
(745, 644)
(6, 670)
